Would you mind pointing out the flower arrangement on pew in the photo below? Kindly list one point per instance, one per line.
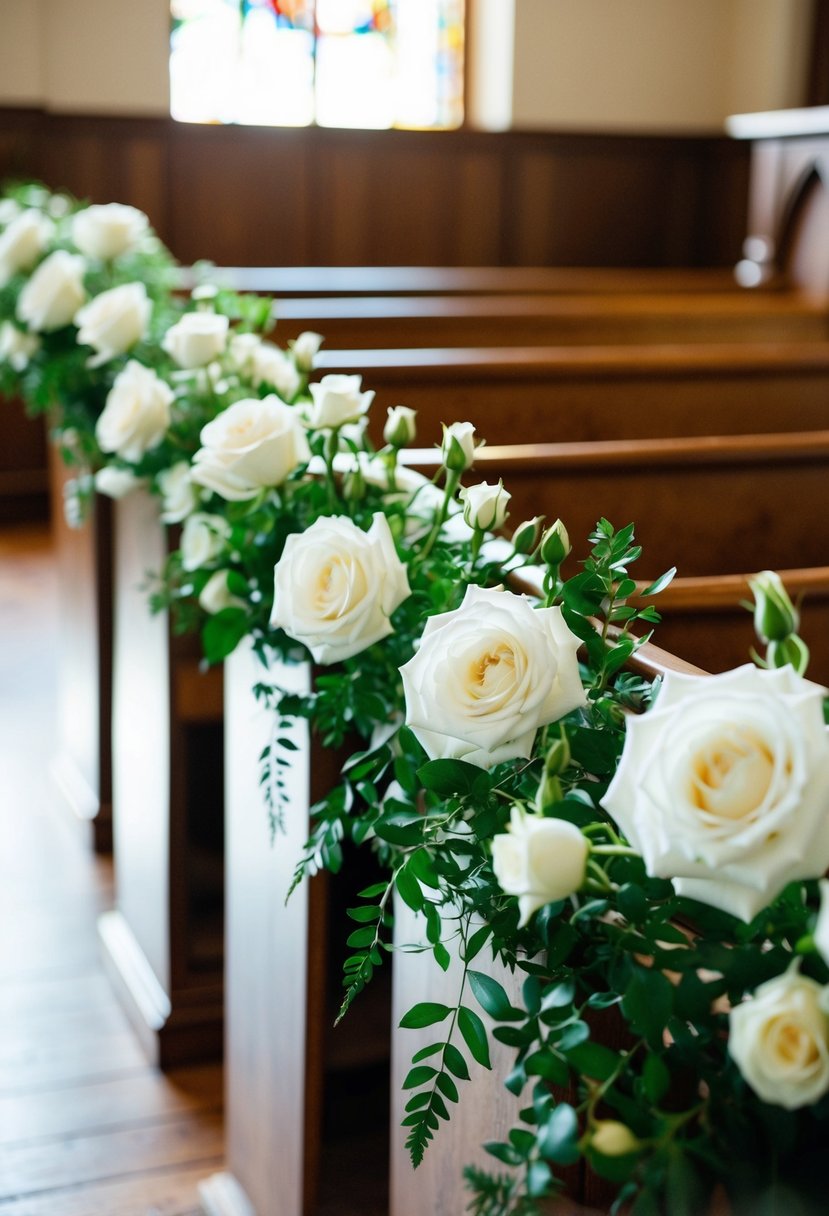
(646, 859)
(659, 872)
(92, 330)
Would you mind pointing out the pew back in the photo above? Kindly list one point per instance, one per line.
(562, 394)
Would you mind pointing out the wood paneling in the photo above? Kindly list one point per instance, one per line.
(254, 195)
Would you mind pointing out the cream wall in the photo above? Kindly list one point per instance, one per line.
(655, 64)
(88, 56)
(579, 64)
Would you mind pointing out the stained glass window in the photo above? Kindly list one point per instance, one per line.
(338, 63)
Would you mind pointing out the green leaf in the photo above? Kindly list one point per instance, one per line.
(442, 956)
(491, 996)
(539, 1179)
(450, 777)
(474, 1035)
(655, 1079)
(546, 1064)
(574, 1034)
(558, 1138)
(447, 1087)
(427, 1013)
(455, 1062)
(594, 1060)
(419, 1076)
(476, 943)
(223, 632)
(647, 1005)
(661, 583)
(364, 914)
(409, 889)
(425, 1052)
(361, 937)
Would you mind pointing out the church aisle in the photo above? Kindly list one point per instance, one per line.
(87, 1127)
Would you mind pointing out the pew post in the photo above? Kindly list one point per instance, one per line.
(82, 767)
(153, 942)
(275, 958)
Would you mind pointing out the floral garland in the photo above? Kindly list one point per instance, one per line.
(652, 855)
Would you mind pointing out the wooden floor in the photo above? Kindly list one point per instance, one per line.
(87, 1127)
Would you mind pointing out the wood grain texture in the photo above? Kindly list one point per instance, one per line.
(248, 195)
(546, 394)
(87, 1128)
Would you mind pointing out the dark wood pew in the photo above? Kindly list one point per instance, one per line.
(279, 1061)
(707, 616)
(23, 475)
(539, 320)
(163, 942)
(708, 504)
(561, 394)
(82, 766)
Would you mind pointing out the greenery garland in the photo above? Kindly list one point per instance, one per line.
(642, 856)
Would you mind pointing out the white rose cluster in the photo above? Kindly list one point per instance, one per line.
(16, 346)
(336, 587)
(723, 786)
(203, 538)
(489, 674)
(251, 445)
(197, 339)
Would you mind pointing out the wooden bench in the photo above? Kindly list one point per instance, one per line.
(544, 394)
(276, 1069)
(708, 504)
(82, 766)
(320, 281)
(567, 320)
(706, 616)
(163, 943)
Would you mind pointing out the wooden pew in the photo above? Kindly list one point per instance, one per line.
(82, 766)
(277, 1058)
(708, 504)
(163, 942)
(707, 616)
(23, 475)
(562, 394)
(321, 281)
(538, 320)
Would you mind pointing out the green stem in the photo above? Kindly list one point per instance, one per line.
(452, 479)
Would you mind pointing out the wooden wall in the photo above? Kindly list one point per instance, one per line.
(315, 196)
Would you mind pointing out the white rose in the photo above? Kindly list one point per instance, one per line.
(216, 595)
(9, 210)
(724, 786)
(485, 506)
(458, 446)
(400, 427)
(17, 347)
(114, 321)
(197, 339)
(335, 587)
(117, 483)
(780, 1040)
(54, 293)
(22, 243)
(305, 348)
(539, 860)
(107, 232)
(336, 400)
(179, 495)
(488, 675)
(203, 538)
(136, 415)
(242, 349)
(271, 366)
(251, 445)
